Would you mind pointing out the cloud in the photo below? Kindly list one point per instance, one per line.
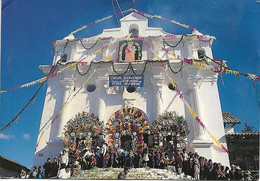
(26, 137)
(6, 137)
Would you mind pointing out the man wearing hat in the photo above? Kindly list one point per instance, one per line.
(232, 172)
(238, 173)
(249, 176)
(76, 169)
(97, 156)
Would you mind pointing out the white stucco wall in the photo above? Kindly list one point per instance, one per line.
(199, 88)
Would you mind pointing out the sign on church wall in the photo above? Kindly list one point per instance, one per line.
(126, 80)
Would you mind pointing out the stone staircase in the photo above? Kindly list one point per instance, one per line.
(134, 174)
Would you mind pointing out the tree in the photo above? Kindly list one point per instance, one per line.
(247, 128)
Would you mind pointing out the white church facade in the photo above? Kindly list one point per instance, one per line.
(142, 55)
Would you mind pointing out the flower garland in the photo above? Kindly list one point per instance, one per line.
(80, 132)
(168, 126)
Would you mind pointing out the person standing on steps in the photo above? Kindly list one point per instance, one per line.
(47, 168)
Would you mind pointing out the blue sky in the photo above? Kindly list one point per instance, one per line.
(29, 27)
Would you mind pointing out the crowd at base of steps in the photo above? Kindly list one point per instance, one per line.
(200, 168)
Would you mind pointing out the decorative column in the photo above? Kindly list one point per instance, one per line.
(200, 141)
(65, 115)
(157, 82)
(100, 104)
(188, 42)
(193, 83)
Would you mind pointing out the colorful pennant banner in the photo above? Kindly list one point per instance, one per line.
(160, 17)
(47, 126)
(194, 115)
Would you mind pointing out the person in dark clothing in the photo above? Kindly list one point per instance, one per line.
(122, 175)
(47, 168)
(39, 173)
(232, 172)
(238, 173)
(54, 167)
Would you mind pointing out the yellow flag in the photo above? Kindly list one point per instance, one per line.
(217, 142)
(108, 57)
(173, 83)
(192, 112)
(155, 54)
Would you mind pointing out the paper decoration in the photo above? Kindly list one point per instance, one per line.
(128, 121)
(98, 21)
(172, 127)
(80, 132)
(160, 17)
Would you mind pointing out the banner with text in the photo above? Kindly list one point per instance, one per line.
(126, 80)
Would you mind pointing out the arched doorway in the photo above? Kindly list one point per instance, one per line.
(83, 132)
(126, 129)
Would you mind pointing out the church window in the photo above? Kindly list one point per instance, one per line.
(201, 53)
(91, 88)
(171, 87)
(133, 30)
(131, 89)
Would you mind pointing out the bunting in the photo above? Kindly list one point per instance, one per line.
(160, 17)
(47, 126)
(59, 72)
(194, 115)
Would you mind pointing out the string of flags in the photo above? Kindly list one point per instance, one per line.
(50, 122)
(160, 17)
(195, 116)
(17, 116)
(129, 10)
(196, 63)
(60, 71)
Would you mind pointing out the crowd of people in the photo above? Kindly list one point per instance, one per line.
(192, 164)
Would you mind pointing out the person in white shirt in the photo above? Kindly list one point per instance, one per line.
(88, 154)
(64, 159)
(64, 173)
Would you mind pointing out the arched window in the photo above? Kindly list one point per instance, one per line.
(131, 89)
(171, 87)
(134, 31)
(201, 53)
(91, 88)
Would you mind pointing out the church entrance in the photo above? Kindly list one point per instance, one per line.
(126, 142)
(126, 129)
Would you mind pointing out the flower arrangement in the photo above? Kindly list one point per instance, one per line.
(168, 127)
(80, 131)
(127, 121)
